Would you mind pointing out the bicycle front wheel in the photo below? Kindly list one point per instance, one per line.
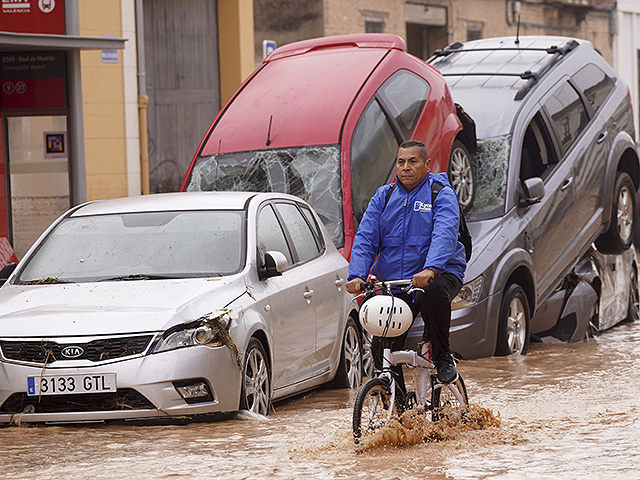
(446, 403)
(372, 410)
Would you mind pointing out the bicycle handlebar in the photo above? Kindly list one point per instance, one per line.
(385, 286)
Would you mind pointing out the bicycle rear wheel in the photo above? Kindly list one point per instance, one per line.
(372, 410)
(445, 403)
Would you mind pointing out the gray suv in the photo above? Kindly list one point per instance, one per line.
(556, 171)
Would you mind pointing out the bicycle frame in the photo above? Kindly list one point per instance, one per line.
(425, 382)
(424, 374)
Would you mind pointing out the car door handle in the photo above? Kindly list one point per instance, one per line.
(601, 137)
(339, 282)
(308, 294)
(566, 183)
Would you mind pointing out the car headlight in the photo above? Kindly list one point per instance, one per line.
(469, 294)
(209, 330)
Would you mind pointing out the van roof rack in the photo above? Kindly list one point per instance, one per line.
(532, 77)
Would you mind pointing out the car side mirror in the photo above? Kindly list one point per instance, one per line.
(274, 264)
(6, 272)
(532, 191)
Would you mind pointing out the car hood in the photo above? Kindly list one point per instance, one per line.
(110, 307)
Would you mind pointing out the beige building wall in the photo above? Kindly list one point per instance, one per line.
(498, 18)
(495, 18)
(236, 45)
(349, 16)
(103, 95)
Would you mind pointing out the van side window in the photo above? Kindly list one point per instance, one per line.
(373, 155)
(594, 83)
(568, 115)
(405, 94)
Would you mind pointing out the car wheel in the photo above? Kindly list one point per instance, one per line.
(619, 236)
(368, 366)
(633, 312)
(461, 174)
(256, 380)
(350, 368)
(513, 324)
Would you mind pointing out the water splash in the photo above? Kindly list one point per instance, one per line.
(414, 427)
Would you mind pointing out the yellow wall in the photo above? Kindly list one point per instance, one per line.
(103, 103)
(235, 34)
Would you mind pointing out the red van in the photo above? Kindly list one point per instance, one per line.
(322, 119)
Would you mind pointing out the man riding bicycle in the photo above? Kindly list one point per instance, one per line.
(403, 235)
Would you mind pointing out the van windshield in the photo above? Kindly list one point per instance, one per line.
(311, 173)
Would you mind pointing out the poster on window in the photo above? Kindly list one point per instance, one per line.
(54, 145)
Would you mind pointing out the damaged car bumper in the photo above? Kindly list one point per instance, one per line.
(185, 382)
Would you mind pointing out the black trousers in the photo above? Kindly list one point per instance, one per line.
(434, 305)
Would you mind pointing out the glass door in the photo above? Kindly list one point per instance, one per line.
(38, 167)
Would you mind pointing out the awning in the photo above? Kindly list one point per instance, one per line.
(12, 42)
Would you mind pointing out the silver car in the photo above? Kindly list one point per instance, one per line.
(175, 306)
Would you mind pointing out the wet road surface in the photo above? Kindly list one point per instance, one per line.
(563, 411)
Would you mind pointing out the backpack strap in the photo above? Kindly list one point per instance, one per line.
(388, 196)
(435, 190)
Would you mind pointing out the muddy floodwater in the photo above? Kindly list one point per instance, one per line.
(564, 411)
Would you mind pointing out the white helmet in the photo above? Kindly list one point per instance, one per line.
(385, 316)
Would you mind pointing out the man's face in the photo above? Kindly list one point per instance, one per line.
(411, 169)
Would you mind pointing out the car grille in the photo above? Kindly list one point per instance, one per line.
(95, 351)
(123, 399)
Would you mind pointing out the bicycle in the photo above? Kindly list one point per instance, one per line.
(380, 399)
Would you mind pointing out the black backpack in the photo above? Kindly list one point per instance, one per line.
(464, 237)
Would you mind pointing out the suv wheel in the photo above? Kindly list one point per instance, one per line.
(619, 236)
(461, 174)
(513, 324)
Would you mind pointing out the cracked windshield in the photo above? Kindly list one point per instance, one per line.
(311, 173)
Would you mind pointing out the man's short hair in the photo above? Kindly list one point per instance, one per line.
(416, 143)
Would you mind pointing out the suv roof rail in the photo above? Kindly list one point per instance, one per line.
(532, 77)
(360, 40)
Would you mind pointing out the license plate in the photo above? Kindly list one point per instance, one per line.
(68, 384)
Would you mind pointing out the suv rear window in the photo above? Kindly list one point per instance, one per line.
(594, 83)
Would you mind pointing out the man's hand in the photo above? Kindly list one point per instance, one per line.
(423, 278)
(353, 286)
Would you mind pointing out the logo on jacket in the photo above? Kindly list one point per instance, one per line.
(418, 206)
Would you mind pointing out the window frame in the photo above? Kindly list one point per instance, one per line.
(315, 231)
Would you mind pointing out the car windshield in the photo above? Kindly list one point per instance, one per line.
(490, 166)
(139, 246)
(311, 173)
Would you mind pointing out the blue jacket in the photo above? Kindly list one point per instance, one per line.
(410, 234)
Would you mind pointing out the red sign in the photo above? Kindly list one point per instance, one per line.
(33, 16)
(33, 80)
